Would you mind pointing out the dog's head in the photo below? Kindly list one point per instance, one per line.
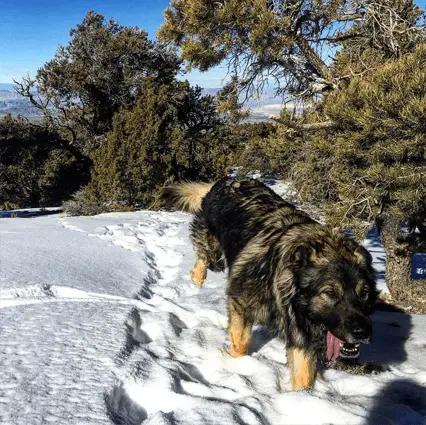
(337, 287)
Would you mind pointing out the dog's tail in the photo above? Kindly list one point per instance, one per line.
(186, 196)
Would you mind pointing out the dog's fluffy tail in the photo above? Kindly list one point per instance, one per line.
(186, 196)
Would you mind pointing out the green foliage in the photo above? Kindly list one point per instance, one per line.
(35, 169)
(95, 75)
(229, 103)
(173, 132)
(389, 29)
(377, 149)
(289, 42)
(90, 80)
(261, 147)
(256, 39)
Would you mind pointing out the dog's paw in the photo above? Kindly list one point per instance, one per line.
(301, 382)
(230, 349)
(195, 277)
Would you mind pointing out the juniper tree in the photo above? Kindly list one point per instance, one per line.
(360, 147)
(95, 75)
(172, 132)
(36, 168)
(370, 165)
(285, 42)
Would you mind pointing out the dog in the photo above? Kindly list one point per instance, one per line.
(311, 285)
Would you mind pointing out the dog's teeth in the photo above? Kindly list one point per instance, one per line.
(350, 350)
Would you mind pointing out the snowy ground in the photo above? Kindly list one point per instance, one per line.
(99, 322)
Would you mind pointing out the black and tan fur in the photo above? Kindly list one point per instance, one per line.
(286, 271)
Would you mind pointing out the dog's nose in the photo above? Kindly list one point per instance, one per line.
(360, 328)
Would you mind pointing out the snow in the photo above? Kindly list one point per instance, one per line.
(100, 323)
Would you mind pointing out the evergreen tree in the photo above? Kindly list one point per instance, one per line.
(286, 42)
(172, 132)
(370, 164)
(95, 75)
(36, 168)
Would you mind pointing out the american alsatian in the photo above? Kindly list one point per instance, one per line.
(311, 285)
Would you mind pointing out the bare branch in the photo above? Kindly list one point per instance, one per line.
(336, 39)
(303, 127)
(350, 17)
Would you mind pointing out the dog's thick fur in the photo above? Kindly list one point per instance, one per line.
(288, 272)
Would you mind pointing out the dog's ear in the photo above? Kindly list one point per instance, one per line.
(362, 256)
(305, 254)
(302, 255)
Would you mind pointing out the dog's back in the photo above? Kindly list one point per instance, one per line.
(237, 210)
(234, 211)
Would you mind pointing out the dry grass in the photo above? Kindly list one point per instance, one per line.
(417, 306)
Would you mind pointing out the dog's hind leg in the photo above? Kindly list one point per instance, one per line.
(239, 328)
(207, 248)
(303, 368)
(199, 272)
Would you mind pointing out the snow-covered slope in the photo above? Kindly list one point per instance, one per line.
(100, 322)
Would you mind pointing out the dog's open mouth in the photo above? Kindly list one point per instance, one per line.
(336, 347)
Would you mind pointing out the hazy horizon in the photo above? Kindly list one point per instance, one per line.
(6, 86)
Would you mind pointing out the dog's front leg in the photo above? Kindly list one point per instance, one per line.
(303, 368)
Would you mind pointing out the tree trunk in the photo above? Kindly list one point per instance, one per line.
(398, 261)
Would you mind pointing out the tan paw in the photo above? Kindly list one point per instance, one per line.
(196, 278)
(302, 382)
(236, 353)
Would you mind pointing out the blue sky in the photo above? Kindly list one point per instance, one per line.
(30, 31)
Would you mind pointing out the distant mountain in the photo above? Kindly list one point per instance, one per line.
(14, 104)
(7, 95)
(267, 98)
(260, 109)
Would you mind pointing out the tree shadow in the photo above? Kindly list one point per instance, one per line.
(28, 213)
(401, 402)
(381, 275)
(373, 237)
(375, 246)
(121, 409)
(259, 338)
(391, 330)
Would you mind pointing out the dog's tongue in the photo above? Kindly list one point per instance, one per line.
(333, 346)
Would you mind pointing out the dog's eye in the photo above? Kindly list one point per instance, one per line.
(330, 293)
(365, 292)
